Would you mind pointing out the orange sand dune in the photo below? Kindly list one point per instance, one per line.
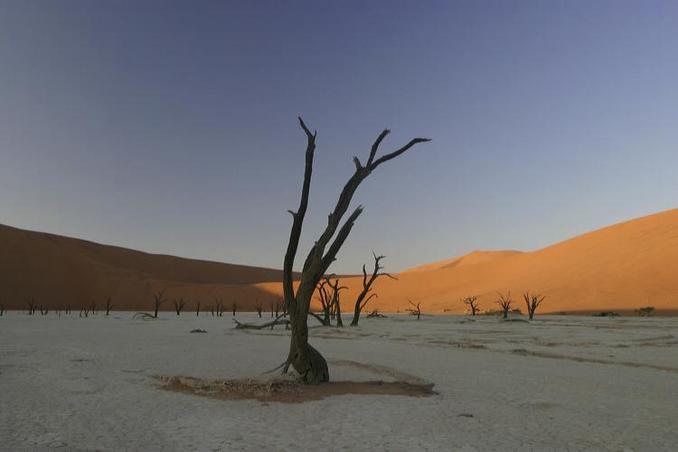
(620, 267)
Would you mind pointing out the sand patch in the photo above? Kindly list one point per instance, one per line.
(288, 390)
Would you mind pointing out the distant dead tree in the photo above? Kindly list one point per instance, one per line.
(532, 302)
(67, 309)
(218, 307)
(179, 305)
(84, 311)
(306, 360)
(505, 302)
(325, 302)
(93, 308)
(415, 309)
(234, 307)
(197, 308)
(260, 308)
(336, 303)
(108, 306)
(472, 303)
(375, 314)
(158, 300)
(647, 311)
(363, 297)
(30, 302)
(2, 310)
(44, 310)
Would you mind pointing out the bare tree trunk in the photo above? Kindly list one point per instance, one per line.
(306, 360)
(363, 297)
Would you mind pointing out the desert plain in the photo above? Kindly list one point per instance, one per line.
(555, 383)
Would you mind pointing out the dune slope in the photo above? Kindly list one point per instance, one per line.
(620, 267)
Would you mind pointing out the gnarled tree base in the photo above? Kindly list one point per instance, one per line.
(311, 366)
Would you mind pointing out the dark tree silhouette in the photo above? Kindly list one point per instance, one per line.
(364, 296)
(179, 305)
(647, 311)
(260, 308)
(158, 300)
(336, 303)
(325, 302)
(109, 306)
(505, 302)
(234, 308)
(197, 308)
(532, 302)
(2, 310)
(306, 360)
(415, 309)
(472, 303)
(30, 302)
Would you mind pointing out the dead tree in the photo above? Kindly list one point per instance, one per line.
(30, 302)
(109, 306)
(158, 300)
(234, 308)
(219, 307)
(325, 303)
(44, 310)
(375, 314)
(415, 309)
(197, 308)
(306, 360)
(505, 302)
(93, 308)
(532, 302)
(260, 308)
(472, 303)
(335, 303)
(2, 310)
(179, 305)
(84, 312)
(647, 311)
(364, 297)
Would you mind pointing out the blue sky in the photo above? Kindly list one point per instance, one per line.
(171, 126)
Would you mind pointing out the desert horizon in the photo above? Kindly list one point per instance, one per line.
(338, 226)
(626, 268)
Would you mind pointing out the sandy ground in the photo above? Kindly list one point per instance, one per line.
(558, 383)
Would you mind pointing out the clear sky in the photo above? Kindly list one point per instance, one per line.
(171, 126)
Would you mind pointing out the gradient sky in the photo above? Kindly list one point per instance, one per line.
(171, 126)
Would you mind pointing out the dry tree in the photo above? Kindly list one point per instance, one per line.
(108, 306)
(218, 307)
(505, 302)
(234, 308)
(2, 310)
(30, 302)
(472, 303)
(158, 300)
(44, 310)
(197, 308)
(532, 302)
(84, 311)
(363, 297)
(647, 311)
(375, 314)
(259, 307)
(325, 303)
(335, 302)
(415, 309)
(93, 308)
(179, 305)
(304, 358)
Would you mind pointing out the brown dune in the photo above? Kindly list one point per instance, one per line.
(621, 267)
(60, 271)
